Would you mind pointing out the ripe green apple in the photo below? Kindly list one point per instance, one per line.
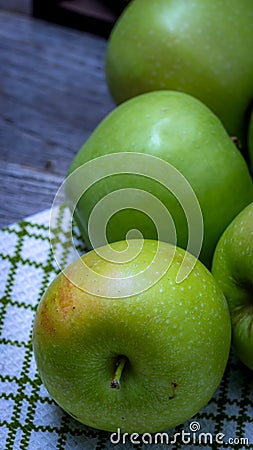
(181, 131)
(233, 269)
(142, 362)
(203, 48)
(250, 141)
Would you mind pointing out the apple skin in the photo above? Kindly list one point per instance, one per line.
(250, 141)
(182, 131)
(176, 337)
(203, 48)
(233, 269)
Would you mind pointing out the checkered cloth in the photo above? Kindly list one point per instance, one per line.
(29, 418)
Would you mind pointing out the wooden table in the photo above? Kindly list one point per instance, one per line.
(52, 95)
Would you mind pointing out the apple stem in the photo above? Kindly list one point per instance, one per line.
(120, 364)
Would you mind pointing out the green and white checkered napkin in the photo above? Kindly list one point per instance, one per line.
(29, 418)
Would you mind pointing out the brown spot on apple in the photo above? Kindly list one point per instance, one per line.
(45, 318)
(66, 297)
(237, 143)
(173, 393)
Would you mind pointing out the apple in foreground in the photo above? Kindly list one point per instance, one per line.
(233, 269)
(203, 48)
(144, 362)
(181, 131)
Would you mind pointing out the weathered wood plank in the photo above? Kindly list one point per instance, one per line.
(25, 191)
(22, 147)
(60, 99)
(52, 95)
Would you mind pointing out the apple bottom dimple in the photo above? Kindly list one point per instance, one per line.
(160, 384)
(137, 408)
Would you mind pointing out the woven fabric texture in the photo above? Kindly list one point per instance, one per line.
(30, 419)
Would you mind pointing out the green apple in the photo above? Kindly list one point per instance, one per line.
(142, 362)
(181, 131)
(233, 269)
(203, 48)
(250, 141)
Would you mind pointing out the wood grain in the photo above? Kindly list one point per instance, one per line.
(52, 95)
(25, 189)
